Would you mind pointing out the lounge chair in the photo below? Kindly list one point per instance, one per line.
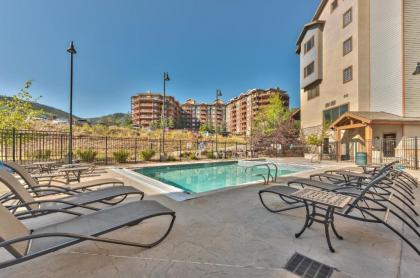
(50, 189)
(366, 203)
(108, 196)
(25, 244)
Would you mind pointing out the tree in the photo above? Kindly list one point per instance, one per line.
(316, 141)
(17, 111)
(206, 127)
(268, 117)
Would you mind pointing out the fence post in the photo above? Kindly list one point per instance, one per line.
(20, 147)
(135, 150)
(180, 149)
(14, 144)
(416, 154)
(246, 149)
(225, 150)
(106, 150)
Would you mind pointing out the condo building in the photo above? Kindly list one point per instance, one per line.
(194, 114)
(241, 110)
(147, 108)
(357, 59)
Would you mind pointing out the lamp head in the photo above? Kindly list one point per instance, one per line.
(166, 76)
(71, 49)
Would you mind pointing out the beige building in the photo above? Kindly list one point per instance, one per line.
(357, 59)
(195, 114)
(241, 110)
(146, 108)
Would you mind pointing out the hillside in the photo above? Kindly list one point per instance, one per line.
(49, 111)
(120, 119)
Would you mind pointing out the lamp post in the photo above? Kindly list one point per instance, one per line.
(72, 51)
(165, 78)
(218, 94)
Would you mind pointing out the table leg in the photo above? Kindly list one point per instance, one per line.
(326, 226)
(333, 226)
(306, 221)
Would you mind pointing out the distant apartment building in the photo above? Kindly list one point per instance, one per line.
(146, 108)
(241, 110)
(356, 63)
(195, 114)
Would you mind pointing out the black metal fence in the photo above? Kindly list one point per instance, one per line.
(28, 146)
(385, 150)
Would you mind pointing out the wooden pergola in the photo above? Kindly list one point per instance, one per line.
(348, 121)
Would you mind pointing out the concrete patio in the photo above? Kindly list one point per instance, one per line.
(228, 234)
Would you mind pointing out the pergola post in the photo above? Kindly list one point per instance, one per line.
(338, 143)
(368, 140)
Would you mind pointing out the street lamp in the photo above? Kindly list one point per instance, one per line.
(417, 71)
(218, 94)
(72, 51)
(165, 78)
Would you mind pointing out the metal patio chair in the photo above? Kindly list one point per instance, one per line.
(27, 206)
(25, 244)
(44, 190)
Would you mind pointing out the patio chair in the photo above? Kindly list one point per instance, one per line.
(366, 204)
(51, 189)
(25, 244)
(32, 207)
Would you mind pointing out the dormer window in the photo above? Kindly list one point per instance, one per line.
(309, 44)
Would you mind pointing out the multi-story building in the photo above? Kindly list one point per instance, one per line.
(356, 63)
(146, 108)
(241, 110)
(194, 114)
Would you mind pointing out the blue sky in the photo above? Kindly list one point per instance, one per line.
(124, 46)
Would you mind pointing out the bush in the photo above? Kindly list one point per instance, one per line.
(87, 155)
(121, 156)
(171, 158)
(147, 154)
(210, 155)
(42, 155)
(193, 156)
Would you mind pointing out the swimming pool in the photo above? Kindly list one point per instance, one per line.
(203, 177)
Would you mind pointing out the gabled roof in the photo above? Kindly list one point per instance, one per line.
(307, 27)
(367, 118)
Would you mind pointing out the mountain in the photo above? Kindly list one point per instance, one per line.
(49, 111)
(112, 119)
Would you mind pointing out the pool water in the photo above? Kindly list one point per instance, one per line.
(198, 178)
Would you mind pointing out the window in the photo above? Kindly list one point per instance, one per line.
(309, 44)
(334, 5)
(333, 114)
(312, 92)
(347, 46)
(309, 69)
(347, 17)
(348, 74)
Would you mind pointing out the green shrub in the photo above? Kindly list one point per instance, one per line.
(42, 155)
(87, 155)
(210, 155)
(121, 156)
(147, 154)
(193, 156)
(171, 158)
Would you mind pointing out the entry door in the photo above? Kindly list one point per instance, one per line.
(389, 145)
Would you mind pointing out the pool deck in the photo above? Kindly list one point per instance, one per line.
(229, 234)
